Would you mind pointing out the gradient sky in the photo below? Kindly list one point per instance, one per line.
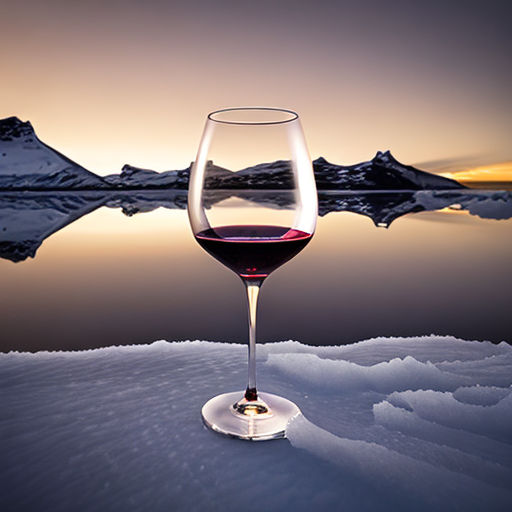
(109, 83)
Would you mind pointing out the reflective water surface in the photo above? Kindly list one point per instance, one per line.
(86, 270)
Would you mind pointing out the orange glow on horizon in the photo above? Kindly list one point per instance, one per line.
(494, 172)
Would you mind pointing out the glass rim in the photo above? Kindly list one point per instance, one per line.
(293, 116)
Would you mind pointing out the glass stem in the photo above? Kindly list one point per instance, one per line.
(252, 287)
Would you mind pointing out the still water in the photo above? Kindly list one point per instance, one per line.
(114, 278)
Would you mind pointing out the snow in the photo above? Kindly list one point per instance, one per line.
(397, 374)
(382, 172)
(23, 154)
(134, 177)
(494, 421)
(28, 163)
(391, 423)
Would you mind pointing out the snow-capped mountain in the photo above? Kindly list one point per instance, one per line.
(136, 178)
(26, 163)
(383, 172)
(278, 173)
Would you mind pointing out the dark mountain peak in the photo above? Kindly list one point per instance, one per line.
(385, 156)
(380, 158)
(27, 163)
(13, 128)
(212, 168)
(13, 121)
(382, 172)
(276, 165)
(129, 170)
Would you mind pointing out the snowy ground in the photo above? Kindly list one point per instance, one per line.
(389, 424)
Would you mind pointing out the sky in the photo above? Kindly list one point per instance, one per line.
(109, 83)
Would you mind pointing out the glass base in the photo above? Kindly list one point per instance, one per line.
(259, 420)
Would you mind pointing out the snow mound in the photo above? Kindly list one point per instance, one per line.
(382, 469)
(481, 395)
(494, 421)
(413, 423)
(407, 373)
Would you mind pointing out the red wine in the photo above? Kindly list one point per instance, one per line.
(253, 251)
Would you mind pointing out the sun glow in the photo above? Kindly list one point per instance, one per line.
(494, 172)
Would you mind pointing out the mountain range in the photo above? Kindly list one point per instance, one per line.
(27, 163)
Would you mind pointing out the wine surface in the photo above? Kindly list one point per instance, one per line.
(253, 251)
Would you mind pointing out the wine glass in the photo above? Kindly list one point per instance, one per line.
(252, 205)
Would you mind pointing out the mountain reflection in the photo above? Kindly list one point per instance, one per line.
(28, 218)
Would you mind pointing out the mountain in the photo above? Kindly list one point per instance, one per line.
(383, 172)
(279, 173)
(26, 163)
(136, 178)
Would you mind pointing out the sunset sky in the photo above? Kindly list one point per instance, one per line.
(108, 83)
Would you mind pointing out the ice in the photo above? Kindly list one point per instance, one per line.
(481, 395)
(478, 370)
(408, 422)
(391, 423)
(407, 373)
(443, 408)
(382, 468)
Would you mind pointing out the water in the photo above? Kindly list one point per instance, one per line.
(114, 278)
